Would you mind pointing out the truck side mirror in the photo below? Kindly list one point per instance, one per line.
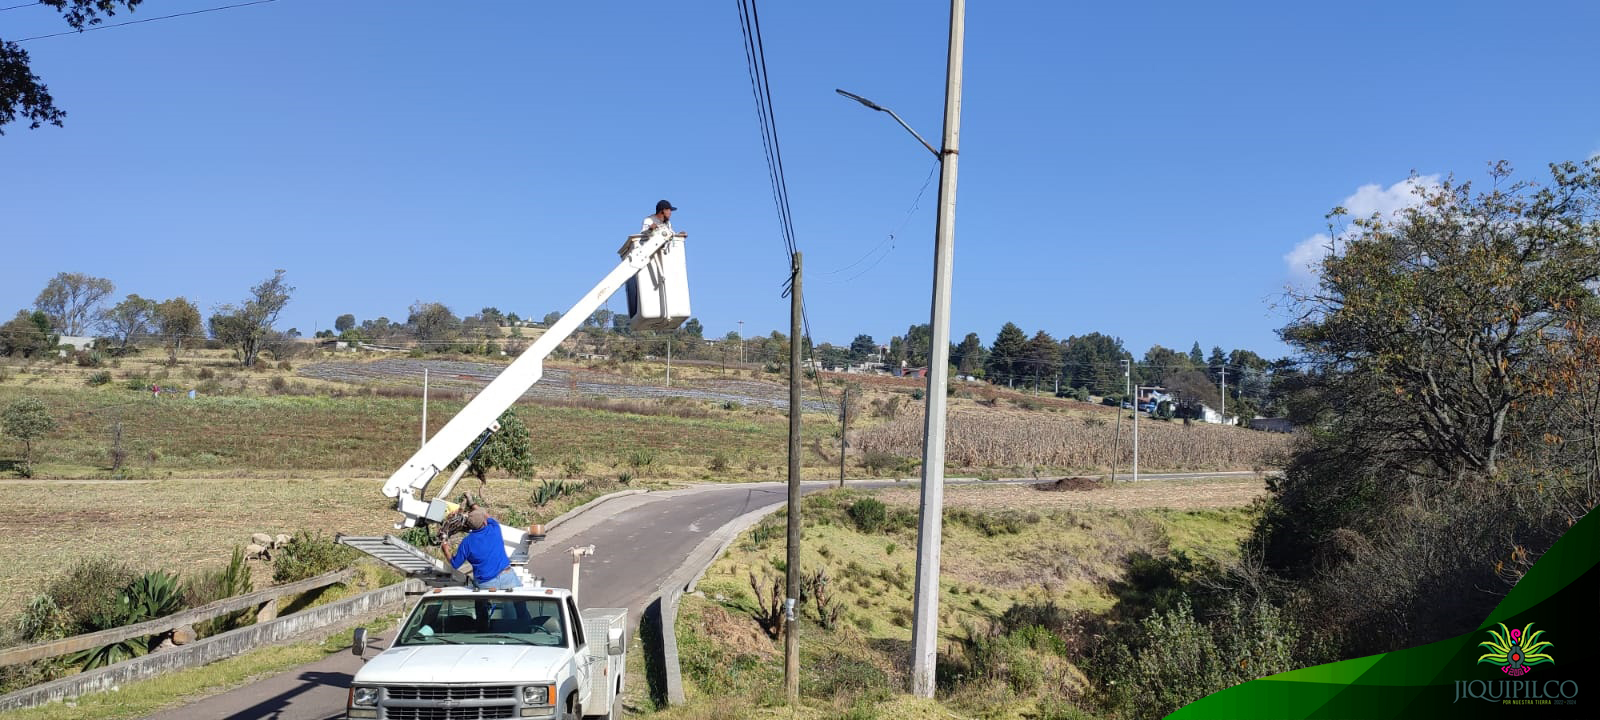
(358, 642)
(614, 644)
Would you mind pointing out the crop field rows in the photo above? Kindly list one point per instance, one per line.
(558, 383)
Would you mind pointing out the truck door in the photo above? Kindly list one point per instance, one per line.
(581, 667)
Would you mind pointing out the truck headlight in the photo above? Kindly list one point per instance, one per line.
(539, 695)
(364, 696)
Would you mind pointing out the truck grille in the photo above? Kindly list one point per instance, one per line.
(437, 693)
(457, 713)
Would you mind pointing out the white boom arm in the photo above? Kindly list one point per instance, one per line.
(484, 410)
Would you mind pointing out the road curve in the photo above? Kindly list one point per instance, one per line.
(640, 541)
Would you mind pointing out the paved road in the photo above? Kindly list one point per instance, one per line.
(639, 540)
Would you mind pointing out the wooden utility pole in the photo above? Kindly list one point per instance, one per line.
(791, 641)
(844, 423)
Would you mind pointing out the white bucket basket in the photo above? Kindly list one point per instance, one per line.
(658, 296)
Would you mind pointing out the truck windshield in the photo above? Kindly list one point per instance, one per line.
(485, 621)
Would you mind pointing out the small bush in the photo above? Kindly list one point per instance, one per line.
(917, 394)
(87, 358)
(207, 374)
(870, 515)
(641, 459)
(278, 385)
(719, 462)
(99, 378)
(284, 365)
(309, 555)
(573, 467)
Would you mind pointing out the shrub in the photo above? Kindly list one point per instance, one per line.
(877, 461)
(101, 377)
(87, 358)
(641, 459)
(917, 394)
(719, 462)
(1174, 659)
(869, 514)
(207, 374)
(220, 583)
(573, 467)
(284, 365)
(277, 384)
(551, 490)
(309, 555)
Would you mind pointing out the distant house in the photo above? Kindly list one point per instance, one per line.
(1278, 425)
(916, 372)
(1207, 414)
(76, 342)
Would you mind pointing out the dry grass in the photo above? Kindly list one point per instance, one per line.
(1207, 493)
(983, 437)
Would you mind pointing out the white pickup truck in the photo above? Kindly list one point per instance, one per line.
(523, 653)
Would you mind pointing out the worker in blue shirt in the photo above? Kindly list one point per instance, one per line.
(484, 548)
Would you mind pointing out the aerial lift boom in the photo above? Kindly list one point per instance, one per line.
(479, 417)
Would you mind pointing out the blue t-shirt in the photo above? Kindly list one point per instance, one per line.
(485, 549)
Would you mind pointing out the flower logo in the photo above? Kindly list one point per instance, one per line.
(1515, 651)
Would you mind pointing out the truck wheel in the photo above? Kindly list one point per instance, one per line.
(574, 708)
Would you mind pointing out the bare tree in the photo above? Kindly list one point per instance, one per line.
(71, 301)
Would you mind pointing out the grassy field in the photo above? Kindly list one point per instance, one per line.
(1002, 549)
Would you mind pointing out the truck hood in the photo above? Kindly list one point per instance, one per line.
(475, 664)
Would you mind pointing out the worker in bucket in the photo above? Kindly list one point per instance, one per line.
(662, 218)
(485, 549)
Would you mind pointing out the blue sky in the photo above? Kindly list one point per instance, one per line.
(1144, 170)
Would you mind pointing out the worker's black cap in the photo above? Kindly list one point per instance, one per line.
(664, 205)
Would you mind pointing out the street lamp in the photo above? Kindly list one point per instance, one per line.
(925, 620)
(892, 114)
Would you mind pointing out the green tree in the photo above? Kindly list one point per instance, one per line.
(27, 334)
(1450, 306)
(1093, 361)
(344, 322)
(510, 450)
(969, 356)
(433, 325)
(550, 318)
(27, 420)
(247, 326)
(128, 319)
(1007, 354)
(917, 341)
(72, 300)
(693, 329)
(1196, 358)
(21, 93)
(1042, 358)
(176, 320)
(1161, 363)
(862, 347)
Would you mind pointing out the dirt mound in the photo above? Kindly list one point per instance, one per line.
(739, 634)
(1079, 484)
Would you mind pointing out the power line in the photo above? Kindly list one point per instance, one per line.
(145, 20)
(30, 4)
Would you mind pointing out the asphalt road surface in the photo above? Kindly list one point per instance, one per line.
(639, 540)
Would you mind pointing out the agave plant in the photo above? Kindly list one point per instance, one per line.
(1513, 650)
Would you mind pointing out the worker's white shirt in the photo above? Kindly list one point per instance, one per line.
(651, 222)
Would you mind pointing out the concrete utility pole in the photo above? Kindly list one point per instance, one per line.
(791, 639)
(669, 361)
(1116, 439)
(1136, 391)
(1224, 379)
(925, 619)
(424, 407)
(741, 344)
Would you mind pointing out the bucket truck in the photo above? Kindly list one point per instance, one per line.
(527, 652)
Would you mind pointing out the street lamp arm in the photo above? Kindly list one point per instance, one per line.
(892, 114)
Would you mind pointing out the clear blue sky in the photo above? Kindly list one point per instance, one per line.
(1135, 169)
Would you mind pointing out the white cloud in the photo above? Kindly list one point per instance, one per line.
(1367, 200)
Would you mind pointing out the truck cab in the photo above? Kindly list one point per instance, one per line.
(478, 653)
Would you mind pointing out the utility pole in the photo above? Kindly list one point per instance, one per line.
(1136, 432)
(1223, 377)
(669, 361)
(424, 407)
(1116, 439)
(844, 419)
(741, 344)
(791, 640)
(925, 619)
